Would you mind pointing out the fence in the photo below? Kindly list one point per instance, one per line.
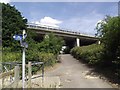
(11, 78)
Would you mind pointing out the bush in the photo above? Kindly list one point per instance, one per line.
(90, 54)
(109, 32)
(9, 56)
(51, 44)
(48, 58)
(32, 53)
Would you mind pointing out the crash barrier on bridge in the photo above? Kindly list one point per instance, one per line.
(59, 31)
(51, 28)
(11, 78)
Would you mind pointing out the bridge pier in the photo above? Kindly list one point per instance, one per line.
(78, 42)
(99, 42)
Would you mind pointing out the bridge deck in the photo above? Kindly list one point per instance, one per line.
(59, 31)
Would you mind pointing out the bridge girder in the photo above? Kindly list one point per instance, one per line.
(69, 37)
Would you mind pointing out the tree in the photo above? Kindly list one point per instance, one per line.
(12, 23)
(51, 44)
(109, 31)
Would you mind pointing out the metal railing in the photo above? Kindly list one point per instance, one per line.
(11, 73)
(45, 27)
(36, 26)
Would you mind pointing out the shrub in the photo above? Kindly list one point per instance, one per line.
(90, 54)
(9, 56)
(48, 58)
(109, 32)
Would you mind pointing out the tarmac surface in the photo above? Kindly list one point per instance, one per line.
(74, 74)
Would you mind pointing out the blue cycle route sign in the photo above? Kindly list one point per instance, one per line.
(18, 37)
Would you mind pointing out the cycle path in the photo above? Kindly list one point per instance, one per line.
(74, 74)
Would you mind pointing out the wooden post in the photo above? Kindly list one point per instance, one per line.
(16, 76)
(4, 75)
(29, 74)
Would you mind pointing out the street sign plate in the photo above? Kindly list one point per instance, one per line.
(24, 44)
(17, 37)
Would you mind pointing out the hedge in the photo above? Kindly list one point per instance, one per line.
(90, 54)
(47, 58)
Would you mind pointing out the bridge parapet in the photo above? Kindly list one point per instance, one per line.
(58, 30)
(30, 25)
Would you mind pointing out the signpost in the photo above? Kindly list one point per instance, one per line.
(21, 38)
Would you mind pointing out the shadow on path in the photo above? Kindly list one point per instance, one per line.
(74, 74)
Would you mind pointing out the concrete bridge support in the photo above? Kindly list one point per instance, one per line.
(78, 42)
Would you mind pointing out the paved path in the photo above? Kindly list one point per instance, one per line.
(74, 74)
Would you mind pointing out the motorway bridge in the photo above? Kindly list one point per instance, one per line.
(71, 38)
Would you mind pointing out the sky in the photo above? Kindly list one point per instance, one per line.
(75, 16)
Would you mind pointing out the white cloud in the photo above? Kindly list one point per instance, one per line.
(5, 1)
(48, 21)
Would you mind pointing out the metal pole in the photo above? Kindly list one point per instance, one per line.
(23, 68)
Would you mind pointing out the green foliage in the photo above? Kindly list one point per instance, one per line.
(12, 23)
(51, 44)
(109, 31)
(48, 58)
(110, 38)
(32, 53)
(46, 51)
(90, 54)
(9, 56)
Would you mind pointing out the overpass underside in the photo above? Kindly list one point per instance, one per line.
(71, 40)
